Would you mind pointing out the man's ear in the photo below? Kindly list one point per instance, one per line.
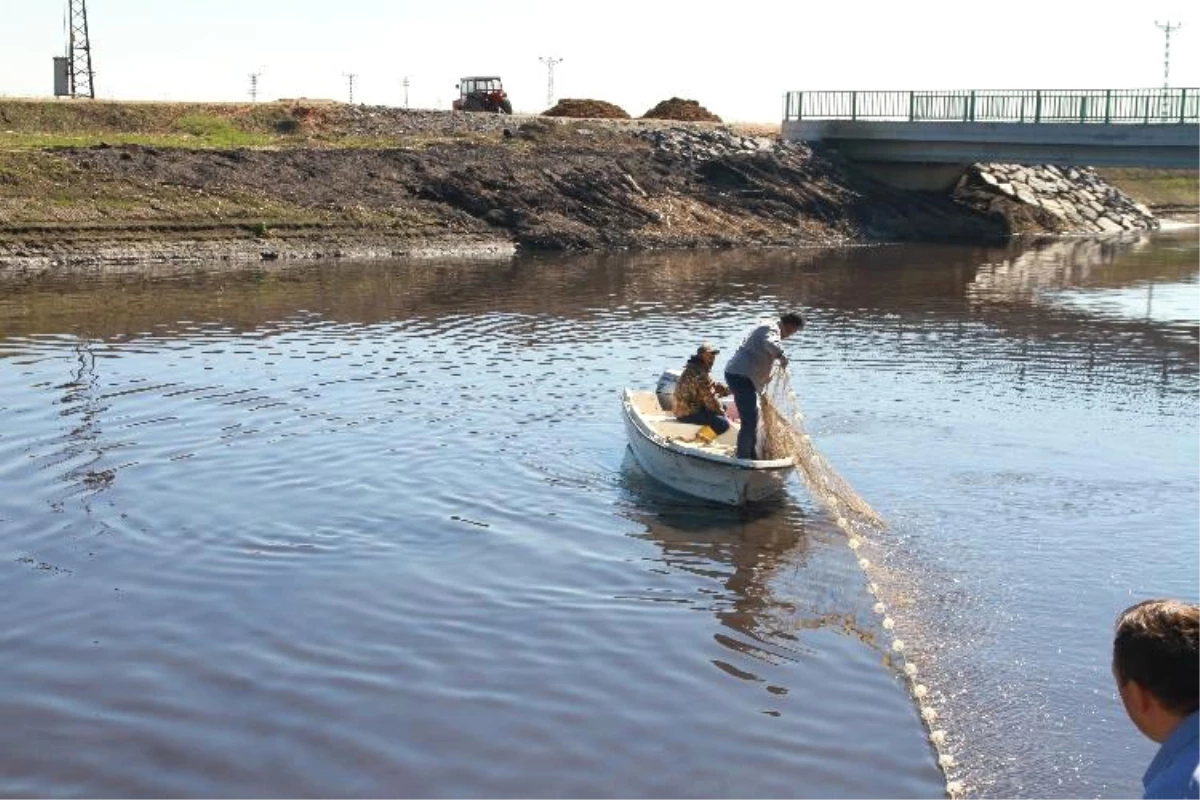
(1140, 698)
(1148, 713)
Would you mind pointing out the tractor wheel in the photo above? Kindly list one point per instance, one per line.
(505, 107)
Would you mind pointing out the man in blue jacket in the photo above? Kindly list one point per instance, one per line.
(748, 372)
(1156, 667)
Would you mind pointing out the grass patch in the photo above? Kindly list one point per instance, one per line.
(37, 141)
(218, 132)
(1156, 188)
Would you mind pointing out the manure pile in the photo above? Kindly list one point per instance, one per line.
(682, 110)
(586, 109)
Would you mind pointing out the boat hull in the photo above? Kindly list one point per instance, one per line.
(687, 469)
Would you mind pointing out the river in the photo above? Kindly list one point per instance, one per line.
(360, 530)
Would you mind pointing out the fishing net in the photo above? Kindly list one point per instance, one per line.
(784, 435)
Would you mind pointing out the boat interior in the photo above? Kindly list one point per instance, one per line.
(664, 423)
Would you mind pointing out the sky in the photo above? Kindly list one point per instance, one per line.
(735, 59)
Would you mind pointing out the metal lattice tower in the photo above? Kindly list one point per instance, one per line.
(350, 76)
(79, 52)
(254, 76)
(549, 62)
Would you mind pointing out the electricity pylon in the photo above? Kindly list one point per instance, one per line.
(549, 62)
(79, 52)
(1166, 29)
(1164, 109)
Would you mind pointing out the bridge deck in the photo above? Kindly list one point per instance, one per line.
(1130, 127)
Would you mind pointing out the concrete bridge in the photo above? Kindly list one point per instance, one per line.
(924, 140)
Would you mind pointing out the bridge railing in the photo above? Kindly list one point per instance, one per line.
(1140, 106)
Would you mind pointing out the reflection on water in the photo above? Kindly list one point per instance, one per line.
(1132, 277)
(740, 550)
(371, 529)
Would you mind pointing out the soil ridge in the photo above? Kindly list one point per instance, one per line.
(375, 182)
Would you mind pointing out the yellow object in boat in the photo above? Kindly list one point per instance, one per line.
(706, 433)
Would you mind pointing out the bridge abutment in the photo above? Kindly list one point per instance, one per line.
(915, 176)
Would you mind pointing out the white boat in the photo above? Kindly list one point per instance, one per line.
(674, 453)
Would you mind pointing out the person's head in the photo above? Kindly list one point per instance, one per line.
(789, 323)
(1155, 664)
(707, 354)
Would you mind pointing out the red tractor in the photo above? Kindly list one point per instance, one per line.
(482, 94)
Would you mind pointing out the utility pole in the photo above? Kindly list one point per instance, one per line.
(1166, 29)
(404, 83)
(350, 76)
(549, 62)
(79, 52)
(254, 76)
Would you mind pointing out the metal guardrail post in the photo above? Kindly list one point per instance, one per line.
(912, 106)
(854, 105)
(1182, 104)
(1083, 103)
(1037, 106)
(1108, 105)
(971, 107)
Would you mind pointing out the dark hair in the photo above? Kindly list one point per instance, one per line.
(1156, 645)
(793, 319)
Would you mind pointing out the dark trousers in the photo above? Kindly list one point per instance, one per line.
(712, 419)
(745, 397)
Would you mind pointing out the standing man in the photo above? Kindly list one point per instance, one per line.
(748, 372)
(696, 393)
(1155, 664)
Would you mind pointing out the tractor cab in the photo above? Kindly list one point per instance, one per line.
(482, 93)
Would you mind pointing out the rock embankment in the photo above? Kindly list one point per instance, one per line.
(1076, 200)
(705, 145)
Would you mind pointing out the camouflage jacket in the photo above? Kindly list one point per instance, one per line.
(696, 390)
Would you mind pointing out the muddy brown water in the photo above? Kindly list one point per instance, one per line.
(372, 529)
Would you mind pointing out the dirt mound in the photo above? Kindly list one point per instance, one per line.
(678, 109)
(589, 109)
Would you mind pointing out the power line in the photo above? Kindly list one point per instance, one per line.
(549, 61)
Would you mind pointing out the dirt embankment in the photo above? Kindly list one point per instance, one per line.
(307, 180)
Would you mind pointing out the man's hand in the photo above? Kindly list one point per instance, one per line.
(783, 361)
(721, 388)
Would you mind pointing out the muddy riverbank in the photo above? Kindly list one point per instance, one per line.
(113, 183)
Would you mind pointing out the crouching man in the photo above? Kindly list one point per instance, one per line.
(696, 394)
